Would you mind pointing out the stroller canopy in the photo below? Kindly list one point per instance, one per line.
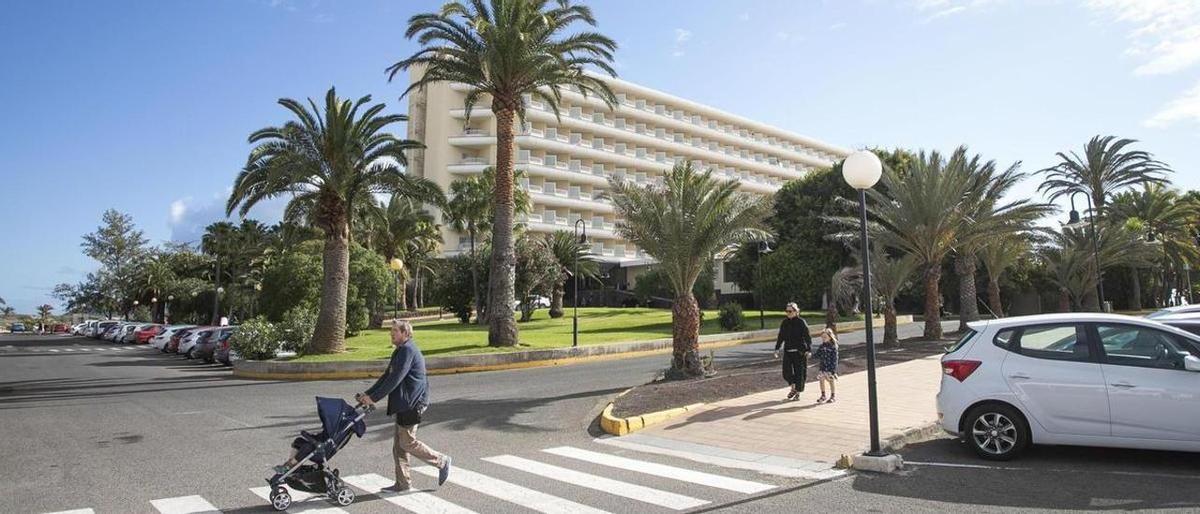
(336, 415)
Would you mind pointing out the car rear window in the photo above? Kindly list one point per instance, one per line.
(962, 340)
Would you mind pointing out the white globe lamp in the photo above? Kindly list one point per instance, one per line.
(862, 170)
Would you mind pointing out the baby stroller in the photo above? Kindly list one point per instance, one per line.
(313, 451)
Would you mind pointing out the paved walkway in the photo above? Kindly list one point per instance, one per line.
(762, 428)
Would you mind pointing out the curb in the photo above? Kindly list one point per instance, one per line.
(624, 426)
(897, 442)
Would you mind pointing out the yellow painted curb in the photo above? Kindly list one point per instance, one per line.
(624, 426)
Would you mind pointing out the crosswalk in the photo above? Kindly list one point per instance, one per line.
(556, 480)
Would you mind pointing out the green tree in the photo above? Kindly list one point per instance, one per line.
(537, 272)
(1072, 261)
(119, 247)
(682, 224)
(1167, 220)
(506, 49)
(329, 160)
(292, 280)
(1106, 166)
(998, 254)
(407, 232)
(889, 277)
(572, 256)
(44, 312)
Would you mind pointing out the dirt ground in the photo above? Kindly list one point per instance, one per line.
(761, 376)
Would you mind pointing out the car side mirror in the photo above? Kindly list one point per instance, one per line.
(1191, 363)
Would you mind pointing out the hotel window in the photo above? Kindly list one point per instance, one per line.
(576, 112)
(619, 123)
(549, 216)
(575, 138)
(660, 156)
(551, 160)
(598, 168)
(640, 152)
(620, 148)
(678, 115)
(549, 187)
(695, 119)
(641, 128)
(660, 133)
(621, 98)
(523, 155)
(574, 164)
(598, 117)
(573, 191)
(551, 133)
(660, 109)
(678, 137)
(598, 143)
(640, 104)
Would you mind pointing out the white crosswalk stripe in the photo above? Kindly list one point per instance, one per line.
(301, 501)
(419, 502)
(76, 511)
(599, 483)
(661, 470)
(183, 505)
(512, 493)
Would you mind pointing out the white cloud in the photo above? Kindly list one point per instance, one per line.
(178, 210)
(946, 8)
(949, 11)
(188, 218)
(682, 36)
(1183, 109)
(1166, 33)
(837, 26)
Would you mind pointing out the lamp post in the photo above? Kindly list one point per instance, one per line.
(764, 247)
(135, 306)
(167, 309)
(1074, 221)
(217, 304)
(154, 309)
(580, 235)
(257, 293)
(862, 170)
(397, 266)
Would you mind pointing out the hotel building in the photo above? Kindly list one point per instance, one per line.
(569, 161)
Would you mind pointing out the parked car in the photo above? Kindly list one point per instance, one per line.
(188, 343)
(206, 347)
(173, 344)
(99, 327)
(1187, 324)
(1177, 312)
(143, 334)
(60, 328)
(163, 338)
(17, 327)
(1072, 379)
(129, 333)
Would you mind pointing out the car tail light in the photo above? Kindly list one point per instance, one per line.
(960, 369)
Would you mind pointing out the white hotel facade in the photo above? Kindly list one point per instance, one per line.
(568, 161)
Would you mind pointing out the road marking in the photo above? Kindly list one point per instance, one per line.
(320, 506)
(55, 350)
(417, 501)
(76, 511)
(662, 470)
(821, 472)
(183, 505)
(1053, 470)
(599, 483)
(68, 349)
(512, 493)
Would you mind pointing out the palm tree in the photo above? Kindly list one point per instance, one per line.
(405, 230)
(573, 257)
(8, 310)
(682, 224)
(889, 277)
(329, 160)
(44, 314)
(507, 49)
(844, 287)
(1104, 168)
(1167, 218)
(1072, 261)
(157, 277)
(470, 209)
(1001, 252)
(988, 217)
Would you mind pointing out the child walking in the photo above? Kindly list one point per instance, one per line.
(827, 358)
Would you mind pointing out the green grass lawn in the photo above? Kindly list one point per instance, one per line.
(596, 326)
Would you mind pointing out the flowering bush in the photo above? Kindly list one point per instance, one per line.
(256, 339)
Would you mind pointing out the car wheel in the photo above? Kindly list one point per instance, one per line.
(996, 431)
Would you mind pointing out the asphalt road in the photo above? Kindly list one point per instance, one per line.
(90, 424)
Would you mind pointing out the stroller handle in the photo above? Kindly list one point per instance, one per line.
(364, 407)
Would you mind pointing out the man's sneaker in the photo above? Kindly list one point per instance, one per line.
(821, 399)
(397, 488)
(444, 471)
(830, 399)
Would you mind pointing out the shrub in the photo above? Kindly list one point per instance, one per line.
(452, 289)
(731, 316)
(296, 330)
(256, 339)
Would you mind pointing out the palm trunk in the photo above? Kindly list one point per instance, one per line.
(685, 337)
(329, 336)
(890, 336)
(556, 300)
(968, 304)
(831, 311)
(994, 296)
(1064, 300)
(403, 295)
(475, 276)
(933, 295)
(502, 328)
(1135, 301)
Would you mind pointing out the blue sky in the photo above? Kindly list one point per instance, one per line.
(145, 106)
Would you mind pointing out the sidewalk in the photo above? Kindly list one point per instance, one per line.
(762, 429)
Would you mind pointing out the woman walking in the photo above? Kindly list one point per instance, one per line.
(796, 343)
(827, 361)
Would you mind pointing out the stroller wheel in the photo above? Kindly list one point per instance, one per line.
(344, 496)
(281, 499)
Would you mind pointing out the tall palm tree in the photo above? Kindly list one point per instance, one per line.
(573, 257)
(988, 217)
(682, 224)
(471, 208)
(1072, 261)
(329, 160)
(404, 232)
(8, 310)
(1001, 252)
(1105, 167)
(506, 49)
(44, 314)
(157, 276)
(1167, 219)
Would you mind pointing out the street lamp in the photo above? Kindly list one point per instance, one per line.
(217, 305)
(581, 235)
(862, 170)
(153, 309)
(135, 306)
(1074, 221)
(167, 309)
(397, 266)
(764, 247)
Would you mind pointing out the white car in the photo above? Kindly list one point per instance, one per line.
(1177, 312)
(1072, 379)
(188, 343)
(160, 341)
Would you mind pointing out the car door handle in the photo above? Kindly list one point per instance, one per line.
(1125, 385)
(1019, 376)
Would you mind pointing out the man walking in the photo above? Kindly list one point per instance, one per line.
(407, 391)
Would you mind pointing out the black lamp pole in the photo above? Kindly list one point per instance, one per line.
(581, 236)
(868, 329)
(764, 247)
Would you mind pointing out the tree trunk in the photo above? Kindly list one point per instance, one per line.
(1064, 300)
(403, 296)
(933, 296)
(1135, 301)
(890, 337)
(994, 297)
(329, 336)
(502, 328)
(685, 337)
(968, 303)
(475, 275)
(556, 300)
(831, 311)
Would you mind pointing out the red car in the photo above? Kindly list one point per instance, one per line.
(143, 336)
(60, 328)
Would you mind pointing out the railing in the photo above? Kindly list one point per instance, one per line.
(473, 160)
